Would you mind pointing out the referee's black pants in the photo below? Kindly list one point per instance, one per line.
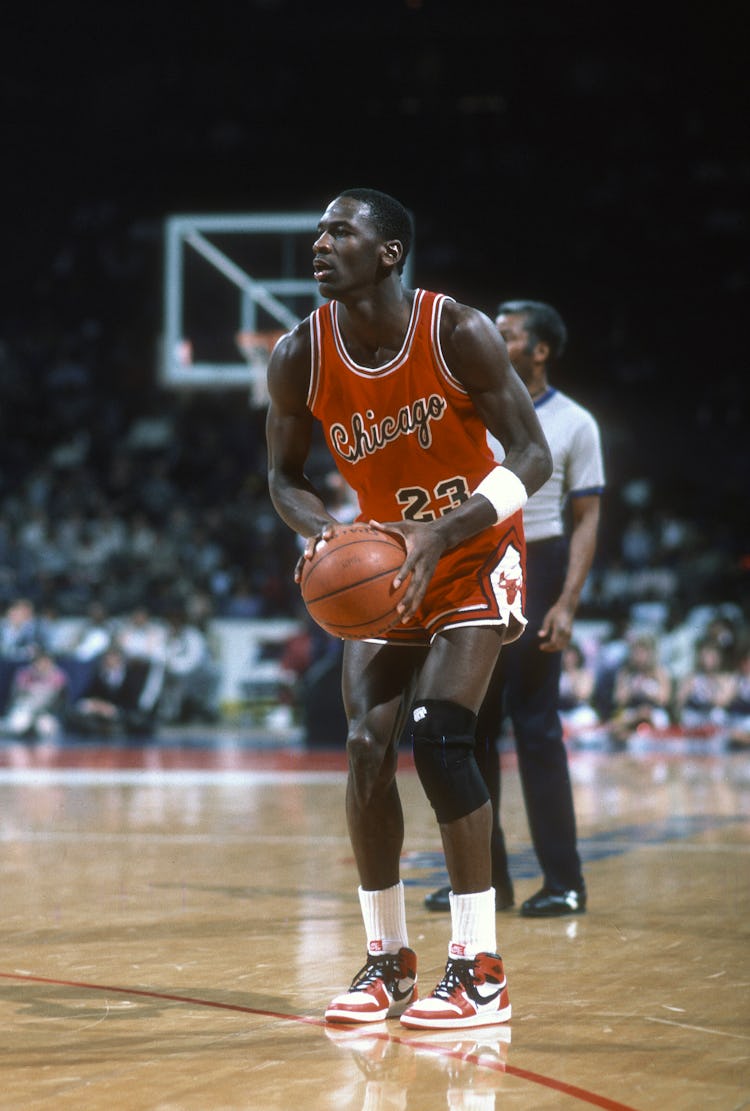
(525, 688)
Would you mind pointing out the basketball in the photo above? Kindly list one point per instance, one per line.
(347, 586)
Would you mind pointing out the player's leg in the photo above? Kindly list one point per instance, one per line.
(489, 726)
(377, 688)
(450, 691)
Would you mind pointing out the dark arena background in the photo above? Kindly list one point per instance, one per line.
(591, 155)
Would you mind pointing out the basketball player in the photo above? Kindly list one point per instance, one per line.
(526, 681)
(405, 384)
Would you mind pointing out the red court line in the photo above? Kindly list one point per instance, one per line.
(522, 1074)
(155, 758)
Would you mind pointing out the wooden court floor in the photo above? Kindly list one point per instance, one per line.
(175, 919)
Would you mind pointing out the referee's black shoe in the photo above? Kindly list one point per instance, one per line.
(554, 904)
(440, 899)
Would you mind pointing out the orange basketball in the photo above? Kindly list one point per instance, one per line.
(347, 586)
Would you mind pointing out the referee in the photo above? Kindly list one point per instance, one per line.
(525, 685)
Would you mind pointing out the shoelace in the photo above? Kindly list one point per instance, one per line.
(377, 968)
(455, 976)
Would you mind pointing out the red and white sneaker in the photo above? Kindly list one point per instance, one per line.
(383, 988)
(472, 992)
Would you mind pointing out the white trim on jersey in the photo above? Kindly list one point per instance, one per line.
(312, 389)
(393, 364)
(445, 370)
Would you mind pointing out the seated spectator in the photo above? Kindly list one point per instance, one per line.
(19, 631)
(738, 704)
(93, 636)
(20, 636)
(295, 657)
(37, 698)
(142, 637)
(117, 702)
(611, 653)
(642, 691)
(576, 691)
(722, 631)
(78, 652)
(241, 598)
(191, 675)
(703, 695)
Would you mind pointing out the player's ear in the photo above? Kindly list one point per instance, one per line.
(541, 352)
(393, 252)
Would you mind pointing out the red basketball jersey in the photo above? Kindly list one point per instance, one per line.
(406, 435)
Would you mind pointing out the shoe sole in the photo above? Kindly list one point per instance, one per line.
(501, 1034)
(363, 1017)
(551, 913)
(488, 1018)
(357, 1017)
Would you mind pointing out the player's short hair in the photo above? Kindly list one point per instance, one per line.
(543, 323)
(389, 216)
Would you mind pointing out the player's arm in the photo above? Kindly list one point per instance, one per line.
(477, 356)
(289, 425)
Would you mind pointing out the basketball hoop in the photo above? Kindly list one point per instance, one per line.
(256, 347)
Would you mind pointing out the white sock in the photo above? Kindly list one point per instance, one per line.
(473, 924)
(384, 915)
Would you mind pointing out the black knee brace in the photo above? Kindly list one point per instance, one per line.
(443, 742)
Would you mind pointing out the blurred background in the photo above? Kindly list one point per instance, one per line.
(593, 156)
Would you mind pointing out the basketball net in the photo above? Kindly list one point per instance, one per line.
(256, 348)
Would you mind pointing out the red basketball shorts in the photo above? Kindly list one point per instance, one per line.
(481, 582)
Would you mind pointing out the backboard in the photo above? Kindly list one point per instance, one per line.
(232, 285)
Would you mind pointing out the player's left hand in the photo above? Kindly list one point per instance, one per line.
(311, 544)
(424, 547)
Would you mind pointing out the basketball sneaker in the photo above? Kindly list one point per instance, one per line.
(383, 988)
(472, 992)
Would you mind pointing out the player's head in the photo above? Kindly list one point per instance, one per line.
(541, 324)
(389, 217)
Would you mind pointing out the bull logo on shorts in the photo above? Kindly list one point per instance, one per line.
(507, 583)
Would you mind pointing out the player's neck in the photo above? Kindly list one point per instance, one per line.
(374, 326)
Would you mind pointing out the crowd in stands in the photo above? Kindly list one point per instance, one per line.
(694, 680)
(127, 675)
(151, 525)
(104, 677)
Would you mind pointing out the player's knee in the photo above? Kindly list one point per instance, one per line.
(362, 747)
(443, 743)
(370, 758)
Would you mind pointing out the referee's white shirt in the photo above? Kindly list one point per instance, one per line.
(577, 464)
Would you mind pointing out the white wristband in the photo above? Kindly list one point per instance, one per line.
(504, 490)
